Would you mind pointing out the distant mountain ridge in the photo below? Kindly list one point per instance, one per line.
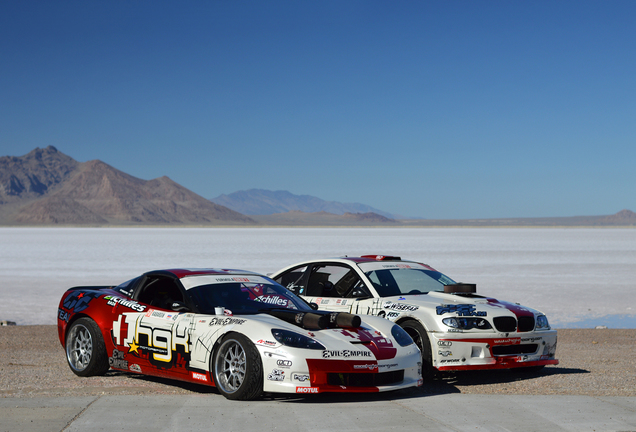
(266, 202)
(48, 187)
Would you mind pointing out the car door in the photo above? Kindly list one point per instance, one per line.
(148, 336)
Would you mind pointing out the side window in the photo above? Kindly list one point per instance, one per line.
(160, 292)
(293, 280)
(332, 281)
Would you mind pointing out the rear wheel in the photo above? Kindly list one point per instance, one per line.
(85, 349)
(419, 335)
(237, 368)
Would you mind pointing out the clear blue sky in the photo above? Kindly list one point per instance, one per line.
(446, 109)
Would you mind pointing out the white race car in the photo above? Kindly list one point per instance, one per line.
(236, 330)
(455, 328)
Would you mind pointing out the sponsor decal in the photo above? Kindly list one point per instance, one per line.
(450, 361)
(78, 301)
(265, 342)
(445, 353)
(225, 321)
(273, 300)
(531, 339)
(199, 376)
(300, 377)
(388, 366)
(155, 314)
(444, 343)
(461, 310)
(131, 304)
(159, 343)
(453, 330)
(276, 375)
(508, 341)
(399, 306)
(392, 315)
(375, 366)
(366, 366)
(345, 353)
(135, 368)
(117, 360)
(63, 315)
(306, 389)
(284, 363)
(420, 382)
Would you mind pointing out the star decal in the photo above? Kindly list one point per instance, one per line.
(133, 347)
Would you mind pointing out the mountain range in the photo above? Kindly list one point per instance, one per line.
(47, 187)
(266, 202)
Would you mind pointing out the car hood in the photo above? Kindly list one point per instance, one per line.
(455, 305)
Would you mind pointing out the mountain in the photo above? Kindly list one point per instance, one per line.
(266, 202)
(322, 218)
(48, 187)
(33, 175)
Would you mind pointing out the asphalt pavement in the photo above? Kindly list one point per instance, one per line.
(401, 410)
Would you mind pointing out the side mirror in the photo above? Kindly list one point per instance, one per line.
(314, 306)
(178, 306)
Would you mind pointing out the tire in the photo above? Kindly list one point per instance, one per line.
(237, 368)
(85, 349)
(419, 335)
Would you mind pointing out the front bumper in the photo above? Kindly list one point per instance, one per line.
(472, 351)
(349, 376)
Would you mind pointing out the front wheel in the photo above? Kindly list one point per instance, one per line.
(237, 368)
(420, 337)
(85, 349)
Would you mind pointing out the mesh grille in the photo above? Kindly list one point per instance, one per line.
(526, 323)
(365, 379)
(505, 324)
(514, 349)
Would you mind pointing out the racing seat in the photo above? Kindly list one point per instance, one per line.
(160, 293)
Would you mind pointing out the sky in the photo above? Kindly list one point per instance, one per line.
(434, 109)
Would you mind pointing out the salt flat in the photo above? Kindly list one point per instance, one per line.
(572, 274)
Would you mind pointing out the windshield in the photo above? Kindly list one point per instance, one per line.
(242, 295)
(399, 278)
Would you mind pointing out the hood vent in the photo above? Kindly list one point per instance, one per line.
(460, 288)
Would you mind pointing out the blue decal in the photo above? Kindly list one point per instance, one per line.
(465, 310)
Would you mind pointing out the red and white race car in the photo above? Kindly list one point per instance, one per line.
(455, 328)
(236, 330)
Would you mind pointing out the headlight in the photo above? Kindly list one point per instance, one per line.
(401, 336)
(295, 340)
(467, 323)
(542, 323)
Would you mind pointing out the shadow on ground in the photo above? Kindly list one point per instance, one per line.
(443, 383)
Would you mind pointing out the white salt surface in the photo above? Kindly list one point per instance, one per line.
(571, 274)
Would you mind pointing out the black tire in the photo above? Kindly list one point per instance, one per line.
(237, 368)
(85, 349)
(419, 335)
